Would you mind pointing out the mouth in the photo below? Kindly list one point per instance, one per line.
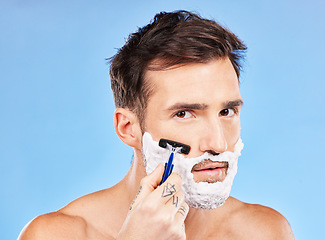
(209, 171)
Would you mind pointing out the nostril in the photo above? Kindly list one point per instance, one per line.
(213, 153)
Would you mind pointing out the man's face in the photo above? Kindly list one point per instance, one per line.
(198, 105)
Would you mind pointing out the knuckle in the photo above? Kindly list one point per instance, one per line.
(166, 220)
(144, 181)
(177, 233)
(164, 223)
(148, 208)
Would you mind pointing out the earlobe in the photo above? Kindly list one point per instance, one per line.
(127, 127)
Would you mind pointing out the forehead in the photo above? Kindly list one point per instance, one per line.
(210, 82)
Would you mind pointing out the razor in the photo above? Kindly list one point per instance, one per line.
(174, 147)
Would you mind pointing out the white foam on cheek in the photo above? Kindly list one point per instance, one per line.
(199, 195)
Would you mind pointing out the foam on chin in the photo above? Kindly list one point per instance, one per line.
(197, 195)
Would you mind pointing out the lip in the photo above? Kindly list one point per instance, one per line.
(209, 165)
(208, 171)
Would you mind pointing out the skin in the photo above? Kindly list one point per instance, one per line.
(196, 104)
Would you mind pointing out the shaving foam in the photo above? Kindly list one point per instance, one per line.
(202, 195)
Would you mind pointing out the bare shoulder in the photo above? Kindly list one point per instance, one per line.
(261, 222)
(55, 225)
(93, 216)
(270, 222)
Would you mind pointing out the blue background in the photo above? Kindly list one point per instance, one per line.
(57, 140)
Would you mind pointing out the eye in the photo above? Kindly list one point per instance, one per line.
(228, 112)
(183, 114)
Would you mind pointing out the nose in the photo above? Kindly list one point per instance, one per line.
(212, 138)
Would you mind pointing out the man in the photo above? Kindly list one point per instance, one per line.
(178, 79)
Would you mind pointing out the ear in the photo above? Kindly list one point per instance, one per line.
(127, 127)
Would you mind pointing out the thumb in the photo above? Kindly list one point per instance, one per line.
(147, 185)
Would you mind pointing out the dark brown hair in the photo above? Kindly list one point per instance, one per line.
(170, 39)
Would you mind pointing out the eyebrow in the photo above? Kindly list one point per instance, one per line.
(200, 106)
(178, 106)
(235, 103)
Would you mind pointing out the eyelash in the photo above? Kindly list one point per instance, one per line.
(232, 108)
(180, 111)
(189, 111)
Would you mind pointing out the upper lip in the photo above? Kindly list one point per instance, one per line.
(208, 164)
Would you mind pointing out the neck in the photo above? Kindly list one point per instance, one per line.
(136, 172)
(199, 223)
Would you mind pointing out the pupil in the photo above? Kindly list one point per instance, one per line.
(225, 112)
(181, 114)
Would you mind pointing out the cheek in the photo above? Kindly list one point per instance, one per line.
(160, 128)
(169, 130)
(152, 124)
(232, 133)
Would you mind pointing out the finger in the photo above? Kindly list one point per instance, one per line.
(147, 185)
(174, 203)
(166, 191)
(181, 213)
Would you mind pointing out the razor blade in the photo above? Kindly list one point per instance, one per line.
(174, 147)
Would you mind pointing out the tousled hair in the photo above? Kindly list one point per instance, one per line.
(169, 40)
